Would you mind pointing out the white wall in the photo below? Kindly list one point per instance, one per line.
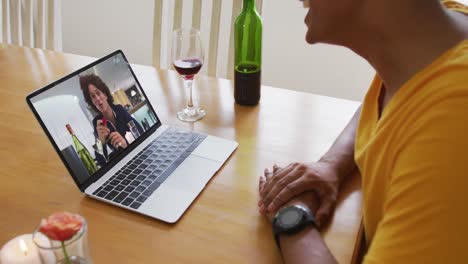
(95, 28)
(289, 62)
(50, 110)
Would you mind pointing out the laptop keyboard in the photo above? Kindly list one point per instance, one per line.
(142, 175)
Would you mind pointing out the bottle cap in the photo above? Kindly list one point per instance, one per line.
(70, 130)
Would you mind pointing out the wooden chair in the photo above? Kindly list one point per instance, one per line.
(31, 23)
(213, 12)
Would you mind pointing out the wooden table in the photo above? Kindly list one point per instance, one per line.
(223, 224)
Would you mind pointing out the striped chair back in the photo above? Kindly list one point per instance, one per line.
(31, 23)
(214, 18)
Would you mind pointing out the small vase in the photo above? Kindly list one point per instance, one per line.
(72, 251)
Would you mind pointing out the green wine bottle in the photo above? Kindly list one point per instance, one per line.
(83, 152)
(248, 55)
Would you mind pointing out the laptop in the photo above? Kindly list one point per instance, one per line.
(115, 147)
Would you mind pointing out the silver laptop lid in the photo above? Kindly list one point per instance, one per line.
(95, 116)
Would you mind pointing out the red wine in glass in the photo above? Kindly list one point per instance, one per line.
(187, 58)
(188, 67)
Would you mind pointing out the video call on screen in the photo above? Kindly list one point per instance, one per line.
(95, 115)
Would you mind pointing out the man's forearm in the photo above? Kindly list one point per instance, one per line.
(307, 246)
(341, 153)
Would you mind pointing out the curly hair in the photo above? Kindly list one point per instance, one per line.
(86, 80)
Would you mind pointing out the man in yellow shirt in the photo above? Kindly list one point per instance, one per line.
(409, 139)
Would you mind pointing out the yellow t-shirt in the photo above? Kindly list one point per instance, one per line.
(414, 165)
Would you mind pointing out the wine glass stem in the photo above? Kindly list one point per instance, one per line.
(188, 84)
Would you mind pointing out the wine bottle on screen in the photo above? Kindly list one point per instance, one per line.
(248, 55)
(83, 152)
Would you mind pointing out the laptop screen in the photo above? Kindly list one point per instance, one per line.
(94, 115)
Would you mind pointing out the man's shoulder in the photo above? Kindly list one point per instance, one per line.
(445, 77)
(118, 108)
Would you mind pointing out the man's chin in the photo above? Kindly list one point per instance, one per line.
(311, 39)
(315, 36)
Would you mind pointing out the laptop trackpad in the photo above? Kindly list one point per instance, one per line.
(176, 194)
(168, 204)
(215, 148)
(193, 174)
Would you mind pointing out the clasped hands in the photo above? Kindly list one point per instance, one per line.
(314, 185)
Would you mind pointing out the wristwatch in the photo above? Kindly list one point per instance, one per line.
(292, 219)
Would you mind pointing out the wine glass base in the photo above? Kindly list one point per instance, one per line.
(191, 115)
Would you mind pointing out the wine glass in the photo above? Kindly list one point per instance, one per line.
(187, 58)
(99, 148)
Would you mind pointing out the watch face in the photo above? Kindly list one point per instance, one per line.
(290, 218)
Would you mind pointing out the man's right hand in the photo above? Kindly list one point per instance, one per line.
(102, 131)
(297, 178)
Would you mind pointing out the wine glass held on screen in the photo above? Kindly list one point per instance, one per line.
(99, 148)
(133, 129)
(188, 58)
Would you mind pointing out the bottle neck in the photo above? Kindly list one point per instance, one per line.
(70, 130)
(248, 5)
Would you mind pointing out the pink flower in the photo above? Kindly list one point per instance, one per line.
(61, 226)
